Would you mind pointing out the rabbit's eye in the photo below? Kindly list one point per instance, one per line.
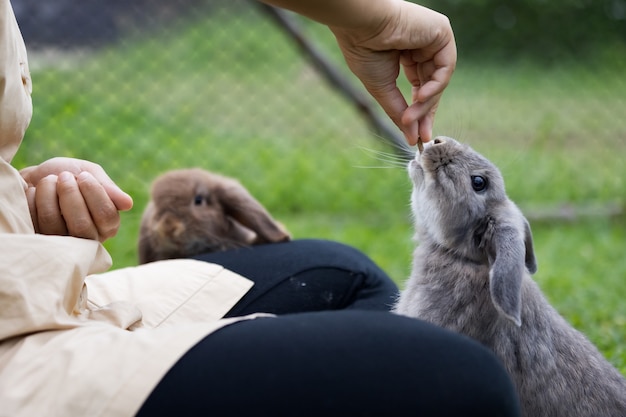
(479, 183)
(198, 200)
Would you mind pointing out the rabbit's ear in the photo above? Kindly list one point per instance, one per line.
(531, 261)
(510, 254)
(239, 204)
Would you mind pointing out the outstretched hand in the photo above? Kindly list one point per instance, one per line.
(74, 197)
(416, 38)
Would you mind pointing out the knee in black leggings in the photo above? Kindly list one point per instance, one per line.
(307, 275)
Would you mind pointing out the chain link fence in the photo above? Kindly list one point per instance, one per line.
(174, 84)
(146, 86)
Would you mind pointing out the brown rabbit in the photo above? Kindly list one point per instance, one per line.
(194, 211)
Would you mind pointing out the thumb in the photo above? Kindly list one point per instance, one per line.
(122, 200)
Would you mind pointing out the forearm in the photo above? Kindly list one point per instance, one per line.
(348, 14)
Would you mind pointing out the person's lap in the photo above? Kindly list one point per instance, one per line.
(338, 363)
(307, 275)
(333, 349)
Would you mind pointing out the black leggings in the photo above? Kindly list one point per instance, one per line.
(344, 363)
(307, 275)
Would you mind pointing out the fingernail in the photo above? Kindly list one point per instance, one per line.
(65, 176)
(84, 176)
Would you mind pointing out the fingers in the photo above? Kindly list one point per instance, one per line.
(428, 61)
(120, 199)
(79, 207)
(48, 218)
(73, 208)
(429, 78)
(434, 74)
(102, 209)
(394, 104)
(415, 120)
(427, 68)
(74, 197)
(55, 166)
(422, 114)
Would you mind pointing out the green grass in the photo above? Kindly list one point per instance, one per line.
(215, 93)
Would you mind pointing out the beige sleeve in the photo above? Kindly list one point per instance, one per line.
(170, 292)
(41, 281)
(15, 84)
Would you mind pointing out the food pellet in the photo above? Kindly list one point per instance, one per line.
(420, 145)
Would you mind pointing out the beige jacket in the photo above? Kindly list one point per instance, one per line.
(75, 341)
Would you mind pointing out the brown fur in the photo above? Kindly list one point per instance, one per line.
(193, 211)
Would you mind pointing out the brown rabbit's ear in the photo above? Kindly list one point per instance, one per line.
(239, 204)
(510, 254)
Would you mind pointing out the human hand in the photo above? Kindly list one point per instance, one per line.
(408, 35)
(74, 197)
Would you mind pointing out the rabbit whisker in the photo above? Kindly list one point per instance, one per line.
(385, 156)
(403, 149)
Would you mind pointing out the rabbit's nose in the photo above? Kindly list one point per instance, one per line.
(438, 141)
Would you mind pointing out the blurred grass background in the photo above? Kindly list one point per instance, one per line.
(222, 88)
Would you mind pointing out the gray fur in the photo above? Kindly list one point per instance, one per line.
(471, 274)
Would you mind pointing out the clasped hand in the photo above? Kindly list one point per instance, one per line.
(68, 196)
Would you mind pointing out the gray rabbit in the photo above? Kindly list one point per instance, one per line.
(471, 274)
(192, 211)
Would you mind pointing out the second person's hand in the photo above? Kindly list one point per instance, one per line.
(377, 37)
(419, 40)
